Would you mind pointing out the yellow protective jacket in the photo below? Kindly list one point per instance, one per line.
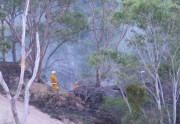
(75, 86)
(54, 82)
(24, 64)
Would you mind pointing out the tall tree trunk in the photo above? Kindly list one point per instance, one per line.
(14, 111)
(163, 100)
(2, 35)
(3, 56)
(14, 51)
(38, 77)
(174, 102)
(98, 78)
(125, 99)
(158, 100)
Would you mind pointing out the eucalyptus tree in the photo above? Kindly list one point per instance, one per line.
(40, 19)
(155, 21)
(100, 27)
(13, 98)
(4, 43)
(56, 24)
(12, 10)
(53, 20)
(172, 68)
(122, 68)
(98, 30)
(68, 29)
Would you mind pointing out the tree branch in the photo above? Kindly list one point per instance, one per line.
(5, 87)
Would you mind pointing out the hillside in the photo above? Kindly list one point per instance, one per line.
(35, 116)
(68, 107)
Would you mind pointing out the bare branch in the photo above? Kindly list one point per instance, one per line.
(5, 87)
(24, 18)
(26, 100)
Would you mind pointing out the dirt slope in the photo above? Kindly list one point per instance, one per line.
(35, 116)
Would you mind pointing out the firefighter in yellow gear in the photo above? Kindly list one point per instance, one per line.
(76, 86)
(21, 64)
(54, 82)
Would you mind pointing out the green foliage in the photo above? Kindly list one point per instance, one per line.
(136, 96)
(4, 47)
(117, 18)
(2, 14)
(64, 2)
(75, 21)
(134, 119)
(12, 5)
(5, 44)
(127, 69)
(116, 102)
(116, 106)
(175, 50)
(111, 54)
(122, 59)
(70, 26)
(94, 59)
(156, 19)
(165, 68)
(128, 61)
(119, 58)
(146, 12)
(126, 64)
(104, 54)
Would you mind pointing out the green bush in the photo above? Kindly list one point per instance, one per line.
(4, 47)
(136, 96)
(116, 103)
(116, 106)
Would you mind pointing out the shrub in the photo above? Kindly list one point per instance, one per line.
(136, 96)
(116, 106)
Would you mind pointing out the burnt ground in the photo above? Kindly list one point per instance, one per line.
(72, 108)
(80, 107)
(11, 72)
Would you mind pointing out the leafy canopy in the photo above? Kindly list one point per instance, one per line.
(145, 12)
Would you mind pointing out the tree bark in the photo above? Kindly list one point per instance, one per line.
(98, 78)
(14, 111)
(174, 102)
(2, 36)
(14, 99)
(125, 99)
(100, 38)
(158, 100)
(27, 95)
(14, 51)
(3, 57)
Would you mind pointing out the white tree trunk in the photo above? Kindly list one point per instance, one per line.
(26, 99)
(126, 100)
(174, 102)
(15, 112)
(153, 76)
(14, 99)
(158, 100)
(175, 77)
